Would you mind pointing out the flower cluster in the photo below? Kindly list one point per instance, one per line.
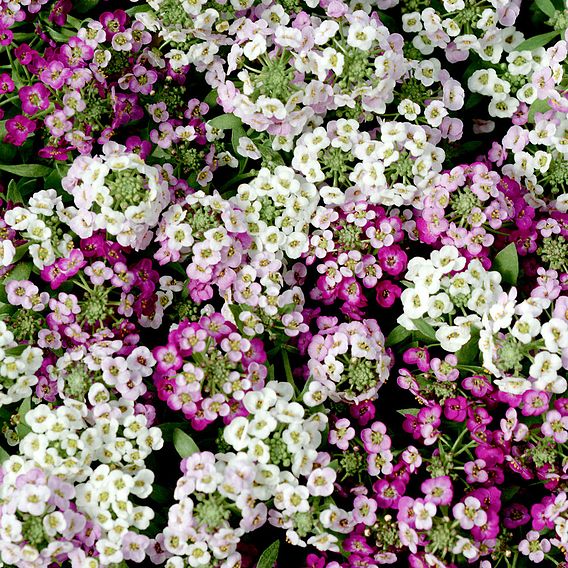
(207, 367)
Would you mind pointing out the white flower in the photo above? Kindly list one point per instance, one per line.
(294, 499)
(7, 252)
(320, 481)
(248, 148)
(452, 337)
(438, 305)
(236, 433)
(513, 385)
(555, 335)
(545, 365)
(262, 424)
(361, 36)
(448, 259)
(525, 328)
(316, 394)
(415, 302)
(324, 542)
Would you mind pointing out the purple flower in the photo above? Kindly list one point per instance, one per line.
(515, 516)
(34, 98)
(18, 129)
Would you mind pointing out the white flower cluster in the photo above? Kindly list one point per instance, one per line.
(523, 347)
(540, 155)
(342, 156)
(17, 368)
(85, 372)
(100, 453)
(348, 363)
(278, 208)
(221, 497)
(38, 223)
(444, 29)
(117, 192)
(280, 443)
(442, 289)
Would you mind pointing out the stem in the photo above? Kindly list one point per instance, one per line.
(288, 370)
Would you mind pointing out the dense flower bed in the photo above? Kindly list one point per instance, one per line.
(283, 283)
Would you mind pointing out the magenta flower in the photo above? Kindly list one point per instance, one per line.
(34, 98)
(18, 129)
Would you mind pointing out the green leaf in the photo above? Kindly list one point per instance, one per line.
(83, 6)
(27, 170)
(507, 264)
(21, 271)
(225, 122)
(406, 411)
(473, 100)
(62, 36)
(4, 455)
(539, 105)
(211, 98)
(397, 335)
(236, 135)
(269, 556)
(425, 329)
(160, 494)
(536, 41)
(469, 352)
(547, 7)
(168, 428)
(137, 9)
(75, 22)
(184, 444)
(13, 193)
(22, 428)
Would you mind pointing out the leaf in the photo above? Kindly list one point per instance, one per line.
(507, 264)
(83, 6)
(469, 352)
(136, 9)
(397, 335)
(62, 36)
(160, 494)
(539, 105)
(211, 98)
(4, 455)
(74, 22)
(225, 122)
(547, 7)
(473, 100)
(27, 170)
(184, 444)
(21, 271)
(22, 428)
(236, 135)
(411, 411)
(536, 41)
(13, 193)
(269, 556)
(425, 329)
(168, 428)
